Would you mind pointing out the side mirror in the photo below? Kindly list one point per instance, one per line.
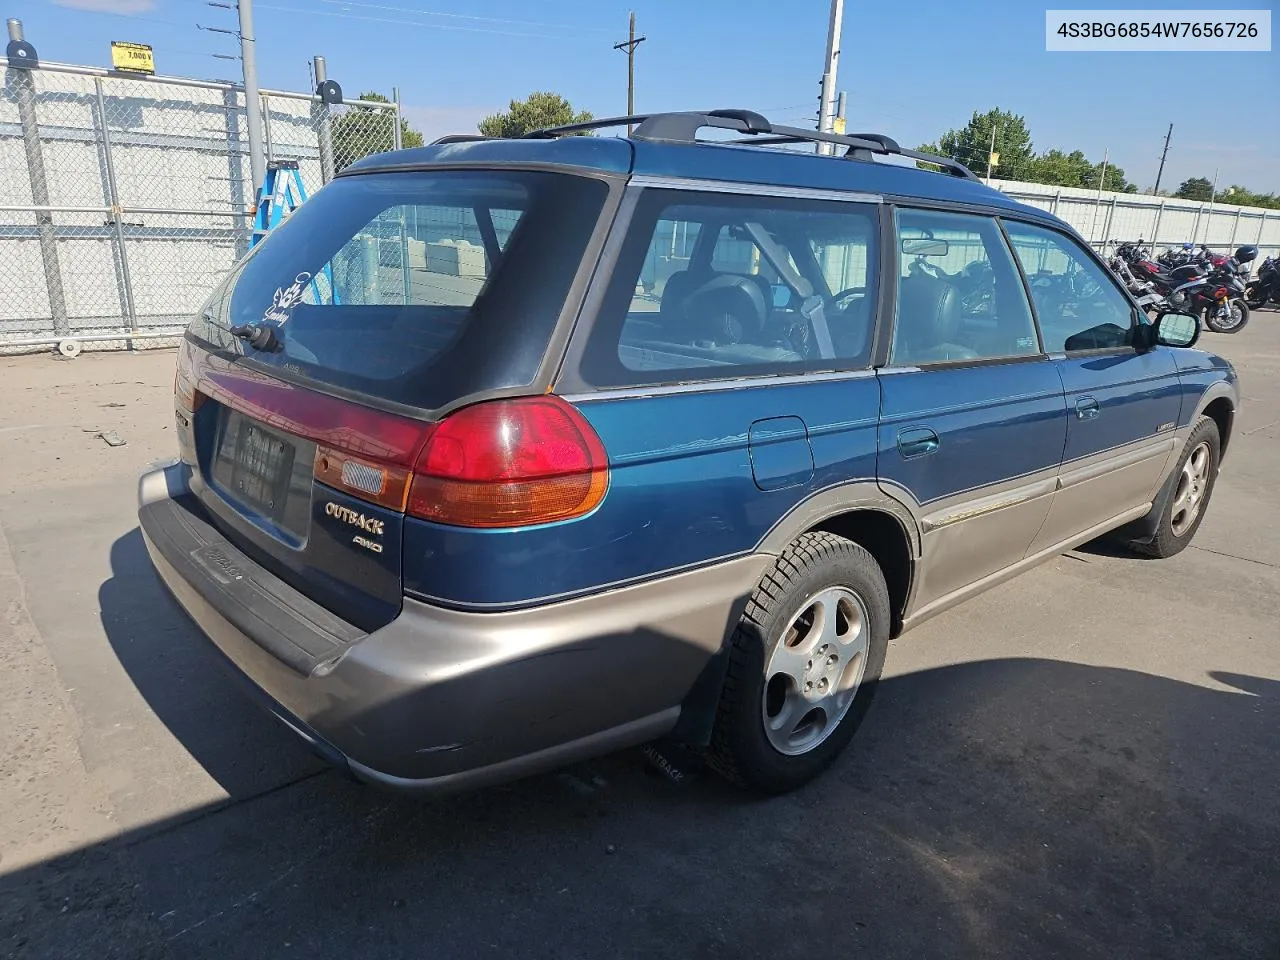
(1176, 330)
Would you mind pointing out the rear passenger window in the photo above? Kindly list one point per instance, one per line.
(1078, 305)
(959, 294)
(714, 286)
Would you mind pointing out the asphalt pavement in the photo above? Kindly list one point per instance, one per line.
(1084, 762)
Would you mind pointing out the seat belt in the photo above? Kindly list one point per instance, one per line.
(811, 306)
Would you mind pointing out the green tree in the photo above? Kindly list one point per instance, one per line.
(362, 131)
(971, 143)
(540, 109)
(1244, 197)
(1196, 188)
(1114, 179)
(1060, 169)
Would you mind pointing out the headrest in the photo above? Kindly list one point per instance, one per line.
(928, 309)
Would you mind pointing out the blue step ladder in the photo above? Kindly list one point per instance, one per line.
(281, 193)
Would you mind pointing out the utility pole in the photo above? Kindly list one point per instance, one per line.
(1160, 173)
(826, 109)
(629, 47)
(252, 99)
(991, 153)
(1106, 157)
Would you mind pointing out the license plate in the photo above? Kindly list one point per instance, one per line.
(261, 463)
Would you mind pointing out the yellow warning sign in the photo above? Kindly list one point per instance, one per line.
(839, 125)
(132, 57)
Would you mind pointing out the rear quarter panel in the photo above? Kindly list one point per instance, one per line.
(682, 493)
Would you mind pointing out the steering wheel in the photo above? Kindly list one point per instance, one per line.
(837, 300)
(1085, 287)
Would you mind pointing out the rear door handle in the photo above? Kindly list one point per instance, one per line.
(917, 441)
(1087, 408)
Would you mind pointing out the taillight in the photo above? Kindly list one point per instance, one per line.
(509, 463)
(184, 379)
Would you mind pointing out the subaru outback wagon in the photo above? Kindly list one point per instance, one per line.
(502, 454)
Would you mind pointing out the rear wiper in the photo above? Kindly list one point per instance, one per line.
(260, 338)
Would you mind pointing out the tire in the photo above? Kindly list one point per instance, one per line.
(1178, 524)
(1253, 298)
(1238, 307)
(819, 579)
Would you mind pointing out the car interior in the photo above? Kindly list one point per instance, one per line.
(777, 309)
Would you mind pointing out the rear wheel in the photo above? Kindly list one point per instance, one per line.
(1255, 296)
(1192, 486)
(803, 667)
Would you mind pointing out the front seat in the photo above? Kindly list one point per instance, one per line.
(929, 322)
(672, 313)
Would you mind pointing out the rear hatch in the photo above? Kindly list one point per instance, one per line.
(313, 378)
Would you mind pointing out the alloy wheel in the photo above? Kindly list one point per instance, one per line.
(815, 669)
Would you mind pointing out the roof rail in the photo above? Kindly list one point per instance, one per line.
(460, 138)
(683, 128)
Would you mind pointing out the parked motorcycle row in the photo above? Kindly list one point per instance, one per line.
(1196, 280)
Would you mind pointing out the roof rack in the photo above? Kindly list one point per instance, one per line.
(460, 138)
(683, 128)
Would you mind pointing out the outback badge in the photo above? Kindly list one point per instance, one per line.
(357, 519)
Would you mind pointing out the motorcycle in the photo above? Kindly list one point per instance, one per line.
(1213, 288)
(1265, 287)
(1177, 285)
(1228, 310)
(1145, 292)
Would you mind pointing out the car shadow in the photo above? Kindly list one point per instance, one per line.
(1110, 547)
(1001, 808)
(185, 683)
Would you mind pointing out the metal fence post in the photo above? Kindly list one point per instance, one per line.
(266, 127)
(117, 215)
(24, 85)
(322, 120)
(1111, 216)
(1235, 225)
(1057, 197)
(397, 144)
(1155, 228)
(396, 133)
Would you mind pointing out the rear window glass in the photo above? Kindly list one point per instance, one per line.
(416, 288)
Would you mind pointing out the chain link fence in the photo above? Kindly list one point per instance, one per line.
(124, 199)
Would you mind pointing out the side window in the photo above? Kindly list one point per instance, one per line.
(716, 286)
(959, 293)
(667, 255)
(1078, 305)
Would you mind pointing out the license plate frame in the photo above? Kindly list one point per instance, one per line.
(259, 465)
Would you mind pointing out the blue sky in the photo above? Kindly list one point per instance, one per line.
(912, 70)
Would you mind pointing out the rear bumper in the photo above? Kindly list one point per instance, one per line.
(443, 700)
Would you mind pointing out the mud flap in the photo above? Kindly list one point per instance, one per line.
(672, 760)
(1144, 529)
(679, 756)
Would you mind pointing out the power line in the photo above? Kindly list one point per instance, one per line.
(415, 23)
(465, 16)
(129, 16)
